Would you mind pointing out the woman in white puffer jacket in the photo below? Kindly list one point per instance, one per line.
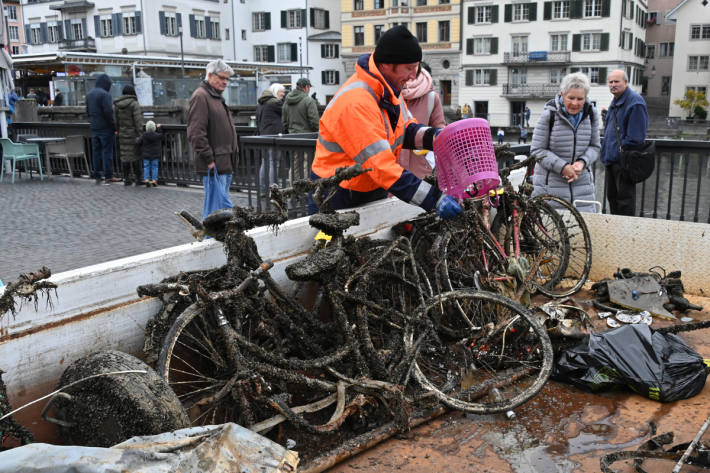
(569, 145)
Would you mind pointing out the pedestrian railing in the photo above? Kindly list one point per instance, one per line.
(678, 189)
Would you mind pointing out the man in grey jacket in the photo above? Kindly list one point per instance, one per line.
(300, 111)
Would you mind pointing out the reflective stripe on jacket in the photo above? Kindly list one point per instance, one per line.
(366, 123)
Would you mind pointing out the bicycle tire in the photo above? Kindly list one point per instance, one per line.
(448, 370)
(580, 249)
(541, 229)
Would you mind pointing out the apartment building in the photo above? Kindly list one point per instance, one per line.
(660, 50)
(691, 68)
(516, 52)
(304, 34)
(435, 23)
(14, 31)
(172, 28)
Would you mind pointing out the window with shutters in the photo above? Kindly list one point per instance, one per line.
(521, 12)
(319, 18)
(698, 63)
(259, 21)
(421, 32)
(52, 33)
(14, 33)
(482, 45)
(261, 53)
(329, 51)
(560, 9)
(481, 77)
(700, 31)
(666, 49)
(444, 31)
(592, 8)
(35, 35)
(697, 89)
(358, 35)
(287, 52)
(559, 42)
(293, 19)
(171, 26)
(106, 26)
(330, 77)
(379, 30)
(483, 14)
(77, 29)
(214, 29)
(591, 41)
(129, 23)
(358, 4)
(200, 27)
(556, 75)
(379, 4)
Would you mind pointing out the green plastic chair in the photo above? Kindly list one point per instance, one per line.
(14, 152)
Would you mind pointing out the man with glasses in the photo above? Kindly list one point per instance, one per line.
(210, 128)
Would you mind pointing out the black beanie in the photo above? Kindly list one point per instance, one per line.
(397, 46)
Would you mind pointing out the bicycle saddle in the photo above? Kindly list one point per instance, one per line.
(215, 223)
(335, 223)
(322, 261)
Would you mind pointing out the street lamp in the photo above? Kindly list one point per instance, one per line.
(182, 53)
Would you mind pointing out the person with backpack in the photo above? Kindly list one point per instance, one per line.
(151, 144)
(424, 103)
(567, 138)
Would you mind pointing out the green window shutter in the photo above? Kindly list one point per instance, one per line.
(271, 54)
(508, 13)
(602, 75)
(494, 45)
(469, 45)
(577, 41)
(573, 69)
(631, 40)
(469, 76)
(547, 11)
(471, 16)
(267, 22)
(606, 8)
(322, 50)
(532, 9)
(604, 43)
(304, 18)
(576, 8)
(294, 52)
(494, 14)
(631, 13)
(494, 77)
(284, 20)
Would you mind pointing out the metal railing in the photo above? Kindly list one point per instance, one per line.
(678, 189)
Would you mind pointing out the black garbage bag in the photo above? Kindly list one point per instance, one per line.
(659, 366)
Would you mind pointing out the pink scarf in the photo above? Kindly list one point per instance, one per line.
(418, 86)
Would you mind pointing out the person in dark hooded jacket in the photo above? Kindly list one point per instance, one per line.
(99, 107)
(268, 121)
(129, 124)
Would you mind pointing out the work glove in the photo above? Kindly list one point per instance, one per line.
(447, 207)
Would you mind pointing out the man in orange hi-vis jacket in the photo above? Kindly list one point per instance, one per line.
(367, 122)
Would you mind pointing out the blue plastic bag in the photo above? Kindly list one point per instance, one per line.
(215, 196)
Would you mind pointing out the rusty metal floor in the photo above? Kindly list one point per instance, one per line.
(561, 430)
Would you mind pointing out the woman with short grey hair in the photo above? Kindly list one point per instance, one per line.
(566, 141)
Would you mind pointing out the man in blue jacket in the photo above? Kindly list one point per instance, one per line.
(99, 107)
(629, 116)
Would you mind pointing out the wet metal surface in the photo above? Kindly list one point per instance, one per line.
(561, 430)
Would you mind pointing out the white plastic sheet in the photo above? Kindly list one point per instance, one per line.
(215, 448)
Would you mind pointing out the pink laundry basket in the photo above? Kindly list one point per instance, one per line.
(465, 159)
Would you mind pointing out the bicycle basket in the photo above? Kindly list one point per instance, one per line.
(465, 159)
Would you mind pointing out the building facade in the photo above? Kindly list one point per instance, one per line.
(14, 30)
(435, 23)
(660, 49)
(691, 68)
(298, 33)
(516, 52)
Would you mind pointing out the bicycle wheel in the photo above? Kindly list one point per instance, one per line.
(542, 237)
(511, 352)
(580, 249)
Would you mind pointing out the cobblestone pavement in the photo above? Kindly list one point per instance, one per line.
(67, 223)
